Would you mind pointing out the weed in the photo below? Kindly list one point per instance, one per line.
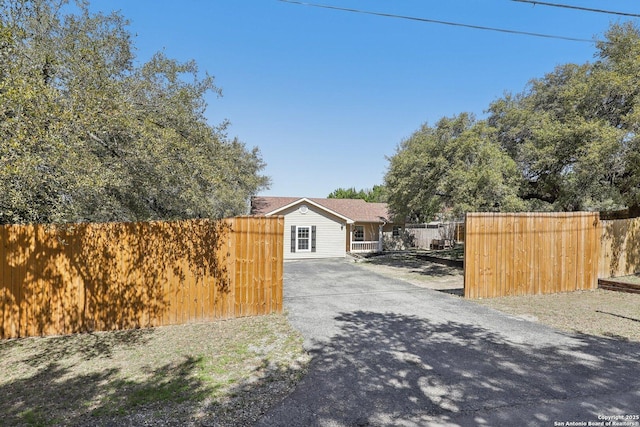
(167, 375)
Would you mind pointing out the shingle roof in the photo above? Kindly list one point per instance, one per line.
(355, 209)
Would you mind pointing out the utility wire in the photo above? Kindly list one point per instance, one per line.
(434, 21)
(566, 6)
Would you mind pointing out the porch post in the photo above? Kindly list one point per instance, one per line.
(380, 227)
(350, 237)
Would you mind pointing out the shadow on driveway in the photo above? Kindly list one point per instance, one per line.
(419, 264)
(392, 369)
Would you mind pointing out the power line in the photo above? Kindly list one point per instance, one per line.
(566, 6)
(434, 21)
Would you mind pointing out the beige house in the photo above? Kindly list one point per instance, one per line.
(326, 228)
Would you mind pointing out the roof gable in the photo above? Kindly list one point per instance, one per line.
(355, 210)
(310, 202)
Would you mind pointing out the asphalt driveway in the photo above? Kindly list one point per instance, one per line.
(388, 353)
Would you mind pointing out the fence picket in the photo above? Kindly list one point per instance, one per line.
(531, 253)
(67, 279)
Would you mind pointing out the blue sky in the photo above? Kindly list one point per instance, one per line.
(327, 95)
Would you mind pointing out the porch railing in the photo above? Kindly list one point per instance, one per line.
(364, 246)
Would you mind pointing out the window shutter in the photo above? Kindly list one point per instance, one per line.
(293, 238)
(313, 238)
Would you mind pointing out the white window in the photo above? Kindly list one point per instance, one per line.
(358, 233)
(303, 239)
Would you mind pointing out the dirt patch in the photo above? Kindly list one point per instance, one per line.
(219, 373)
(599, 312)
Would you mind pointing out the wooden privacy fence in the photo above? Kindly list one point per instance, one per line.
(620, 248)
(94, 277)
(530, 253)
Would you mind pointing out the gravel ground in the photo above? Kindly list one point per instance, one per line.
(599, 312)
(225, 373)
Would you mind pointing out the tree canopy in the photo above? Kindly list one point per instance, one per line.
(567, 142)
(86, 135)
(453, 167)
(376, 194)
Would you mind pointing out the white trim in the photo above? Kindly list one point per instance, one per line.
(365, 246)
(311, 202)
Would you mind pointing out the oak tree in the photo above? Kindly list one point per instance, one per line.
(453, 167)
(86, 135)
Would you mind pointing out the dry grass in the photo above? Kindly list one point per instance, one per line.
(632, 278)
(219, 373)
(599, 312)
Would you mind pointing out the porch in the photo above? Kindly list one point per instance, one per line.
(366, 247)
(369, 237)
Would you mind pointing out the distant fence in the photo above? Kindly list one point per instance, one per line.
(424, 234)
(95, 277)
(530, 253)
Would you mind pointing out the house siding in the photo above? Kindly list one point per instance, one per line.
(388, 228)
(330, 235)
